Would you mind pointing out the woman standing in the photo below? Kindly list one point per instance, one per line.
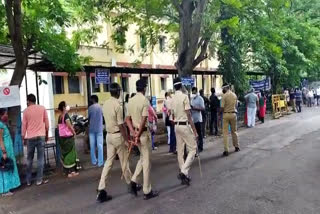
(67, 145)
(8, 179)
(262, 106)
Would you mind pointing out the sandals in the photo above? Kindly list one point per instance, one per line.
(73, 174)
(42, 182)
(8, 194)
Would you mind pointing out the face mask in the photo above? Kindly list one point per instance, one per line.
(193, 96)
(67, 108)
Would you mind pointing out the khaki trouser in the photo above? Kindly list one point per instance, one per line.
(144, 163)
(115, 145)
(230, 118)
(185, 136)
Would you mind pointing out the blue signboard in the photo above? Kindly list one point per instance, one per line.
(258, 85)
(154, 102)
(188, 81)
(102, 76)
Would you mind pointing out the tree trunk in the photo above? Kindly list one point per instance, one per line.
(190, 21)
(19, 71)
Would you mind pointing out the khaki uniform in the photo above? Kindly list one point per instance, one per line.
(229, 101)
(138, 108)
(113, 114)
(184, 134)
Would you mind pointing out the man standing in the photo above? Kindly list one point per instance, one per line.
(298, 96)
(116, 141)
(35, 127)
(214, 106)
(137, 123)
(96, 131)
(169, 123)
(318, 95)
(252, 102)
(204, 112)
(186, 132)
(197, 106)
(228, 107)
(293, 100)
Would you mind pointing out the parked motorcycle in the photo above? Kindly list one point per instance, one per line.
(80, 123)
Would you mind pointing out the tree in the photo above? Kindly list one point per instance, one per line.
(191, 22)
(37, 26)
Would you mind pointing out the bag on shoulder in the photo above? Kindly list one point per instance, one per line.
(64, 130)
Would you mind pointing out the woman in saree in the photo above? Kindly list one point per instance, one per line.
(67, 145)
(262, 106)
(9, 179)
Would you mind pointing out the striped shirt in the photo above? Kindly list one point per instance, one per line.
(35, 122)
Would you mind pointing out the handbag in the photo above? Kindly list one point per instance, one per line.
(64, 130)
(6, 165)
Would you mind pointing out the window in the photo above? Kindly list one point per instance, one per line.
(120, 35)
(162, 43)
(95, 88)
(125, 84)
(163, 84)
(74, 85)
(143, 42)
(58, 85)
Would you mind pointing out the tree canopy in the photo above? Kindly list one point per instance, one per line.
(277, 37)
(280, 38)
(38, 26)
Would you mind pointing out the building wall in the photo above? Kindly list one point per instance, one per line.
(109, 56)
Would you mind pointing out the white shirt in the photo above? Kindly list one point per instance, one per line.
(318, 91)
(310, 94)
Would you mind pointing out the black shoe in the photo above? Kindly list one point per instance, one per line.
(139, 187)
(185, 180)
(103, 196)
(150, 195)
(133, 189)
(237, 149)
(225, 154)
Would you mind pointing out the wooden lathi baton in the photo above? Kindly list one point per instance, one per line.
(126, 162)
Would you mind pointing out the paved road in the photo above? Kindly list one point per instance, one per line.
(277, 172)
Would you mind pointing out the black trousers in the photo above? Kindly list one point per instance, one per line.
(200, 136)
(173, 142)
(214, 122)
(298, 104)
(204, 123)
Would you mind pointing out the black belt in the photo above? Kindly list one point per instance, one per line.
(230, 112)
(143, 130)
(181, 123)
(114, 132)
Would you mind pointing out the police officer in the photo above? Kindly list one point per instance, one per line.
(186, 133)
(117, 141)
(137, 123)
(228, 107)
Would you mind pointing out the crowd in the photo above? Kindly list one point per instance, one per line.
(130, 127)
(305, 96)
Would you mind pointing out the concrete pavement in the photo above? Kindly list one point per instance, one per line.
(276, 172)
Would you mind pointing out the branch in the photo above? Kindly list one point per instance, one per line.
(17, 22)
(29, 46)
(10, 20)
(203, 53)
(177, 5)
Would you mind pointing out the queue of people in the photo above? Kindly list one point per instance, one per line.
(297, 97)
